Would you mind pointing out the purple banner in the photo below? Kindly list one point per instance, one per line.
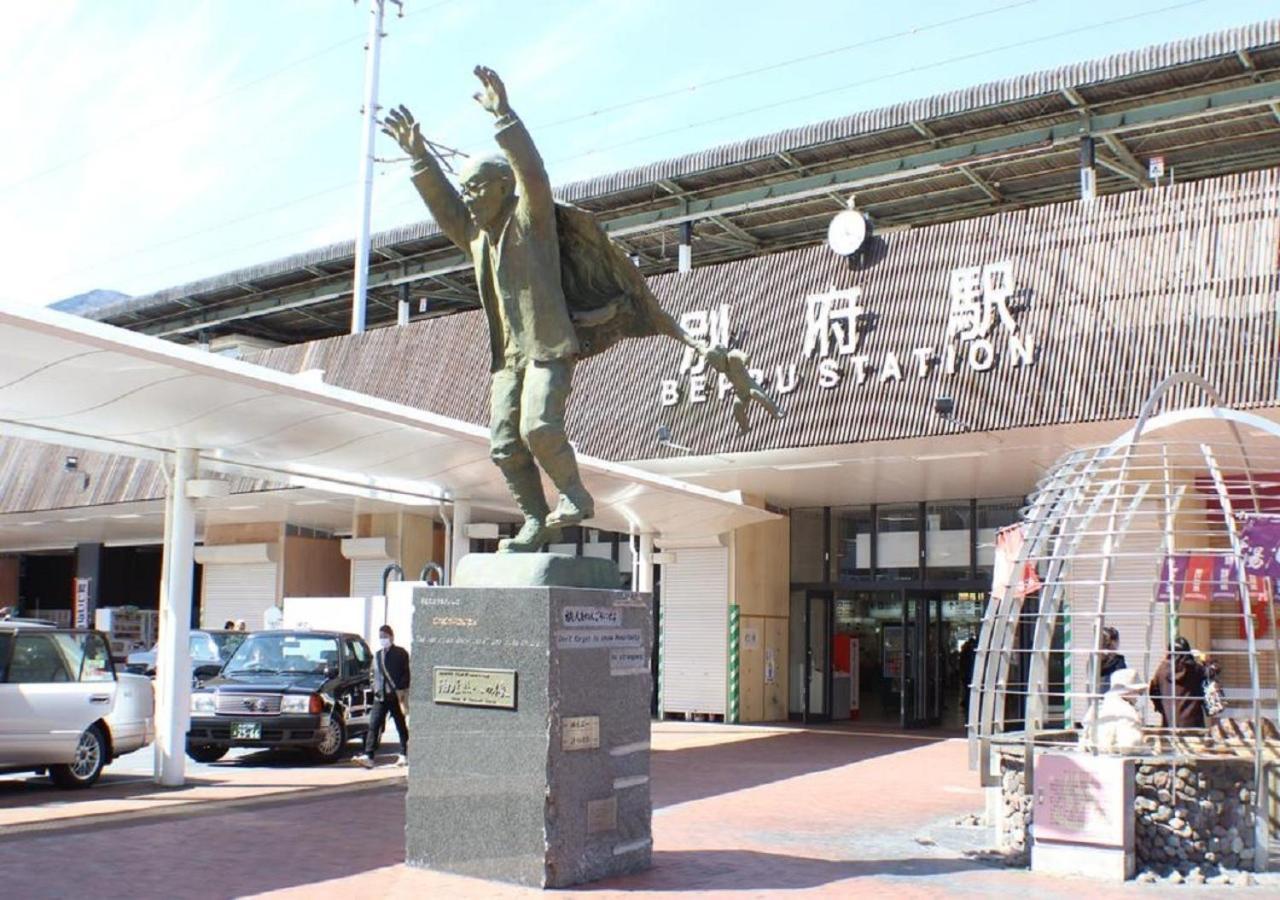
(1204, 577)
(1260, 540)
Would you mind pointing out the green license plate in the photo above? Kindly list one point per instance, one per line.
(246, 731)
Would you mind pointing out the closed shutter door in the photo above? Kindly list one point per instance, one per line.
(237, 592)
(1131, 584)
(695, 610)
(366, 577)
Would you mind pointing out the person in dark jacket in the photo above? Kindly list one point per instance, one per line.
(390, 678)
(1111, 660)
(1177, 690)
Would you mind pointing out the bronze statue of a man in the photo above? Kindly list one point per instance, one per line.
(505, 220)
(554, 290)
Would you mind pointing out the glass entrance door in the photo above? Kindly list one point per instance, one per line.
(811, 627)
(923, 659)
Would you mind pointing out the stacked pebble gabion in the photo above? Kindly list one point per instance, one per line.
(1017, 807)
(1193, 818)
(1195, 813)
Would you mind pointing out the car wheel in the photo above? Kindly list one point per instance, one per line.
(333, 740)
(91, 757)
(206, 753)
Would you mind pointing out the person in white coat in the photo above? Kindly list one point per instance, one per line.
(1115, 725)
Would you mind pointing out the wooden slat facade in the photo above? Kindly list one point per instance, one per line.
(1116, 294)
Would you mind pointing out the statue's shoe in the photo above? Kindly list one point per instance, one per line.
(530, 538)
(574, 506)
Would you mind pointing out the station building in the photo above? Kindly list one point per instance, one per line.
(1043, 251)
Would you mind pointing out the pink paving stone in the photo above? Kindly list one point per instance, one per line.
(830, 813)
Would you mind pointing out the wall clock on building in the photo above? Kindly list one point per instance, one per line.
(847, 232)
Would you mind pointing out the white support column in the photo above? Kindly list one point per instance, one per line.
(173, 653)
(461, 543)
(644, 564)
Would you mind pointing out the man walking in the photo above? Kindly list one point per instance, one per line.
(390, 683)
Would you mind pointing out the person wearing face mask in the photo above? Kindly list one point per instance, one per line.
(390, 684)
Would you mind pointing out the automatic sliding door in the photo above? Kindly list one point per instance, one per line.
(811, 625)
(923, 658)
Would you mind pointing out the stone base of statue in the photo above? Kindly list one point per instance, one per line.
(530, 722)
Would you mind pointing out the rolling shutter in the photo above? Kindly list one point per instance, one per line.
(1132, 578)
(695, 610)
(237, 592)
(366, 577)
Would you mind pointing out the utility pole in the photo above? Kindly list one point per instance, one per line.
(373, 48)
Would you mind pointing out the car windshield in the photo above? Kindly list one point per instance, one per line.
(284, 654)
(203, 648)
(228, 642)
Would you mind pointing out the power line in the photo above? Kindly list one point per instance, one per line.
(215, 227)
(907, 71)
(200, 104)
(635, 102)
(786, 63)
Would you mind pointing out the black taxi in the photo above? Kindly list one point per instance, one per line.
(295, 690)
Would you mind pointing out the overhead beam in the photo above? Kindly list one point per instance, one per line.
(1126, 163)
(1074, 98)
(981, 184)
(925, 131)
(939, 159)
(740, 233)
(798, 166)
(1263, 94)
(269, 302)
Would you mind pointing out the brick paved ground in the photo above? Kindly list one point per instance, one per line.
(739, 812)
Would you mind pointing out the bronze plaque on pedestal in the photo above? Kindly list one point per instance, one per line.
(474, 687)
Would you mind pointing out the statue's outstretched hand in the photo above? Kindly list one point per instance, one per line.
(400, 126)
(494, 96)
(734, 365)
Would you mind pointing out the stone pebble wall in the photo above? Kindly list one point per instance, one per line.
(1017, 809)
(1198, 813)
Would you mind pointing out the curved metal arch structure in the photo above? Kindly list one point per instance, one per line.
(1102, 531)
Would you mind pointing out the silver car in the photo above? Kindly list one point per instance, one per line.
(63, 707)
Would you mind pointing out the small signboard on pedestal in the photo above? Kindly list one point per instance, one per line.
(1082, 819)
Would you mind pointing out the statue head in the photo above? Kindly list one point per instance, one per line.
(487, 184)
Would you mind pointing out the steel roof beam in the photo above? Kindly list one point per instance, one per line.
(277, 301)
(1125, 163)
(1265, 94)
(981, 184)
(741, 234)
(941, 158)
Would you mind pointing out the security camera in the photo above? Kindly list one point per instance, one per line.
(71, 463)
(944, 406)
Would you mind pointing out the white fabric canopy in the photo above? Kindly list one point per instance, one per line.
(68, 380)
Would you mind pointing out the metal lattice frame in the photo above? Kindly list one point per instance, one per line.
(1098, 530)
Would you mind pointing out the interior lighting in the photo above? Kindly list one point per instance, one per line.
(796, 467)
(938, 457)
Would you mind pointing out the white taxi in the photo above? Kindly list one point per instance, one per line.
(63, 707)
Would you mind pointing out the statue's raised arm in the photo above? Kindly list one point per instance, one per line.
(433, 186)
(555, 290)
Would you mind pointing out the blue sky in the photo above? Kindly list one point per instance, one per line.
(154, 142)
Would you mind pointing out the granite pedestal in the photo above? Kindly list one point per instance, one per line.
(529, 715)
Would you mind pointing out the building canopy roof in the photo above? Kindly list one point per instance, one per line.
(77, 383)
(1208, 105)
